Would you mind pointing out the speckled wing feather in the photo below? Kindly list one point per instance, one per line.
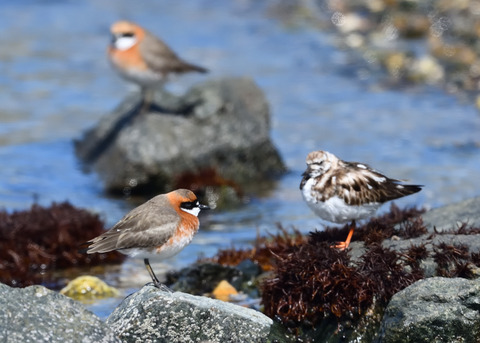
(135, 230)
(160, 58)
(361, 185)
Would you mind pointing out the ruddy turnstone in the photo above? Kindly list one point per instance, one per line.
(160, 228)
(142, 58)
(340, 191)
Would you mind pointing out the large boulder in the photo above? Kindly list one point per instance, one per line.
(36, 314)
(434, 310)
(217, 134)
(152, 315)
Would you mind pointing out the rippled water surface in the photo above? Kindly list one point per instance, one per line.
(55, 83)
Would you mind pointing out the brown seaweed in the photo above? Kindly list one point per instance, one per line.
(36, 242)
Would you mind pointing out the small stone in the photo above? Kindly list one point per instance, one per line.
(350, 22)
(224, 291)
(395, 63)
(354, 40)
(426, 69)
(84, 288)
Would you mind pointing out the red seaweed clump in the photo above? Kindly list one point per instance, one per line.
(263, 252)
(203, 178)
(311, 282)
(316, 281)
(453, 260)
(35, 242)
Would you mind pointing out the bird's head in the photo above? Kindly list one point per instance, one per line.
(125, 34)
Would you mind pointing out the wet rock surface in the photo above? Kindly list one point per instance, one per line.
(451, 231)
(217, 134)
(158, 316)
(454, 215)
(434, 310)
(36, 314)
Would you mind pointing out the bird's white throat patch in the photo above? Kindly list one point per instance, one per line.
(195, 211)
(125, 43)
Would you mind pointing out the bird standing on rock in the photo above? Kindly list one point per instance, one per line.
(142, 58)
(340, 191)
(160, 228)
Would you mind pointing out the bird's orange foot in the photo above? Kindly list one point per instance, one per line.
(344, 245)
(340, 246)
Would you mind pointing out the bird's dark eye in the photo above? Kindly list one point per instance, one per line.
(127, 34)
(189, 205)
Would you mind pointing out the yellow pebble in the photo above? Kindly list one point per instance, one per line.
(84, 288)
(223, 291)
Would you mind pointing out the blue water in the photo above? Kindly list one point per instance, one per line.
(55, 83)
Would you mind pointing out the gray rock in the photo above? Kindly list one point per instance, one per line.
(472, 242)
(430, 241)
(152, 315)
(444, 219)
(434, 310)
(451, 216)
(36, 314)
(217, 133)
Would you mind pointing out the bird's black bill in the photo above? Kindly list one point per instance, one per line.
(305, 176)
(189, 205)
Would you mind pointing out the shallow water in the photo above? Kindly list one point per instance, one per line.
(55, 83)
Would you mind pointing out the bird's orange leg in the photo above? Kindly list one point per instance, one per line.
(344, 245)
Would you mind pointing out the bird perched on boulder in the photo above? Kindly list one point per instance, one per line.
(142, 58)
(159, 228)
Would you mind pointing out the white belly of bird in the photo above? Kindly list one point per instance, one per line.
(166, 251)
(335, 209)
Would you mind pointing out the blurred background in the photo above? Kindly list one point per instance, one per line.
(363, 82)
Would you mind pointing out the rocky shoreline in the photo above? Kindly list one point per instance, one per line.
(418, 282)
(402, 42)
(442, 309)
(433, 263)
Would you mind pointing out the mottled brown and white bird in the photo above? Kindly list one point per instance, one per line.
(142, 58)
(161, 227)
(342, 192)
